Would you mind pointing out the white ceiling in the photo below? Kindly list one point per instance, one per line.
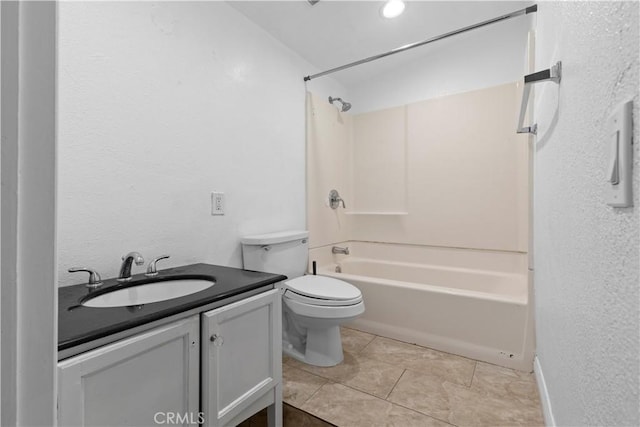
(333, 33)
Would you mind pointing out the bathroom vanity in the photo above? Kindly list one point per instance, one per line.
(211, 358)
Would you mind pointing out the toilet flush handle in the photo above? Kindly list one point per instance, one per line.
(266, 248)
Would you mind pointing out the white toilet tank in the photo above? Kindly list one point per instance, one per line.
(286, 252)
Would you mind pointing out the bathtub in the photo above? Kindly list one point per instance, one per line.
(471, 303)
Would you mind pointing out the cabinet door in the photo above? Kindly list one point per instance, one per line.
(139, 381)
(241, 358)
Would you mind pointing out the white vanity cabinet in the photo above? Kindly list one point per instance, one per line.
(214, 368)
(241, 360)
(137, 381)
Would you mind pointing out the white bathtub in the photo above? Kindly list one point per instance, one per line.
(471, 303)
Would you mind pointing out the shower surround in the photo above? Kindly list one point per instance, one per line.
(437, 222)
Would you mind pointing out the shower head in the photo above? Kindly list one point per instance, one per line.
(346, 106)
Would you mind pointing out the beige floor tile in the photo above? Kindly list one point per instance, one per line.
(504, 382)
(353, 341)
(423, 392)
(471, 408)
(460, 405)
(369, 375)
(298, 385)
(455, 369)
(346, 407)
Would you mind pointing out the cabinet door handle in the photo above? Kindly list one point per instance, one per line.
(217, 340)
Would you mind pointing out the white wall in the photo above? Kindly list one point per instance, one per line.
(482, 58)
(9, 206)
(586, 253)
(37, 270)
(160, 104)
(29, 295)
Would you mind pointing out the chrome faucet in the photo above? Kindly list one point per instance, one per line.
(125, 268)
(152, 270)
(339, 250)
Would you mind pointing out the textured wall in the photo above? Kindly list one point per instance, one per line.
(160, 104)
(586, 253)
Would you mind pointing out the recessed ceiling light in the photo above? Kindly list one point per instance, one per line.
(393, 8)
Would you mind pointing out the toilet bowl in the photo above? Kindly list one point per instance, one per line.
(313, 307)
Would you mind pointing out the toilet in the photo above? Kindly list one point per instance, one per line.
(313, 307)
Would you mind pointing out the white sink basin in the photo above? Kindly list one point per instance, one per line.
(149, 292)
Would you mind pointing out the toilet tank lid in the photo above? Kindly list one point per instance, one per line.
(273, 238)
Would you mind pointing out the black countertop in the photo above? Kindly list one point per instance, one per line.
(78, 324)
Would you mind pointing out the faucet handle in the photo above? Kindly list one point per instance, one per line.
(94, 277)
(335, 200)
(151, 269)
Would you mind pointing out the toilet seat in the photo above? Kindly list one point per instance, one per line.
(322, 291)
(290, 295)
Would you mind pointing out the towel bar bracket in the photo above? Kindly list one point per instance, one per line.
(553, 74)
(533, 129)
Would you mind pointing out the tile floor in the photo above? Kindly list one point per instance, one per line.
(383, 382)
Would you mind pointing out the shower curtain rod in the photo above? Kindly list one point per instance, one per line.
(520, 12)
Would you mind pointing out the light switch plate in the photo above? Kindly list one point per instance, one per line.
(620, 157)
(217, 203)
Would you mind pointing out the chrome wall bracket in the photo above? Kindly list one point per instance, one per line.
(553, 74)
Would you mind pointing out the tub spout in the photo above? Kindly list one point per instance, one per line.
(339, 250)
